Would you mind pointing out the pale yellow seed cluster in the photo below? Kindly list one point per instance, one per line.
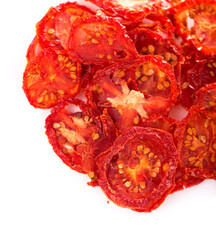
(149, 164)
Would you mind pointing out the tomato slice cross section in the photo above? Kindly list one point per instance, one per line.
(78, 136)
(50, 77)
(104, 39)
(136, 175)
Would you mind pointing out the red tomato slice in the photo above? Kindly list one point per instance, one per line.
(134, 173)
(77, 137)
(51, 77)
(194, 21)
(53, 30)
(100, 40)
(197, 143)
(206, 99)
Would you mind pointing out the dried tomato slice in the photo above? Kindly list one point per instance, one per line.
(156, 80)
(33, 50)
(104, 39)
(51, 77)
(78, 136)
(53, 29)
(136, 175)
(197, 143)
(194, 21)
(206, 99)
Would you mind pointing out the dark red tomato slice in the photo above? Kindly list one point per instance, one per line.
(132, 10)
(100, 40)
(134, 173)
(51, 77)
(195, 21)
(53, 30)
(111, 89)
(206, 99)
(33, 50)
(196, 143)
(78, 136)
(156, 80)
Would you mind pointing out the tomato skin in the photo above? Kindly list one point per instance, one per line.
(126, 199)
(104, 39)
(54, 28)
(78, 137)
(199, 35)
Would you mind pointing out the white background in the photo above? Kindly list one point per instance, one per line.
(40, 197)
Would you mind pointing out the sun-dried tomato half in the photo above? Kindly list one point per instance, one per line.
(100, 40)
(33, 50)
(206, 99)
(51, 77)
(195, 22)
(79, 135)
(196, 141)
(134, 173)
(53, 29)
(132, 10)
(156, 80)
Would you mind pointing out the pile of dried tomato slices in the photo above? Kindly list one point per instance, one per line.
(111, 76)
